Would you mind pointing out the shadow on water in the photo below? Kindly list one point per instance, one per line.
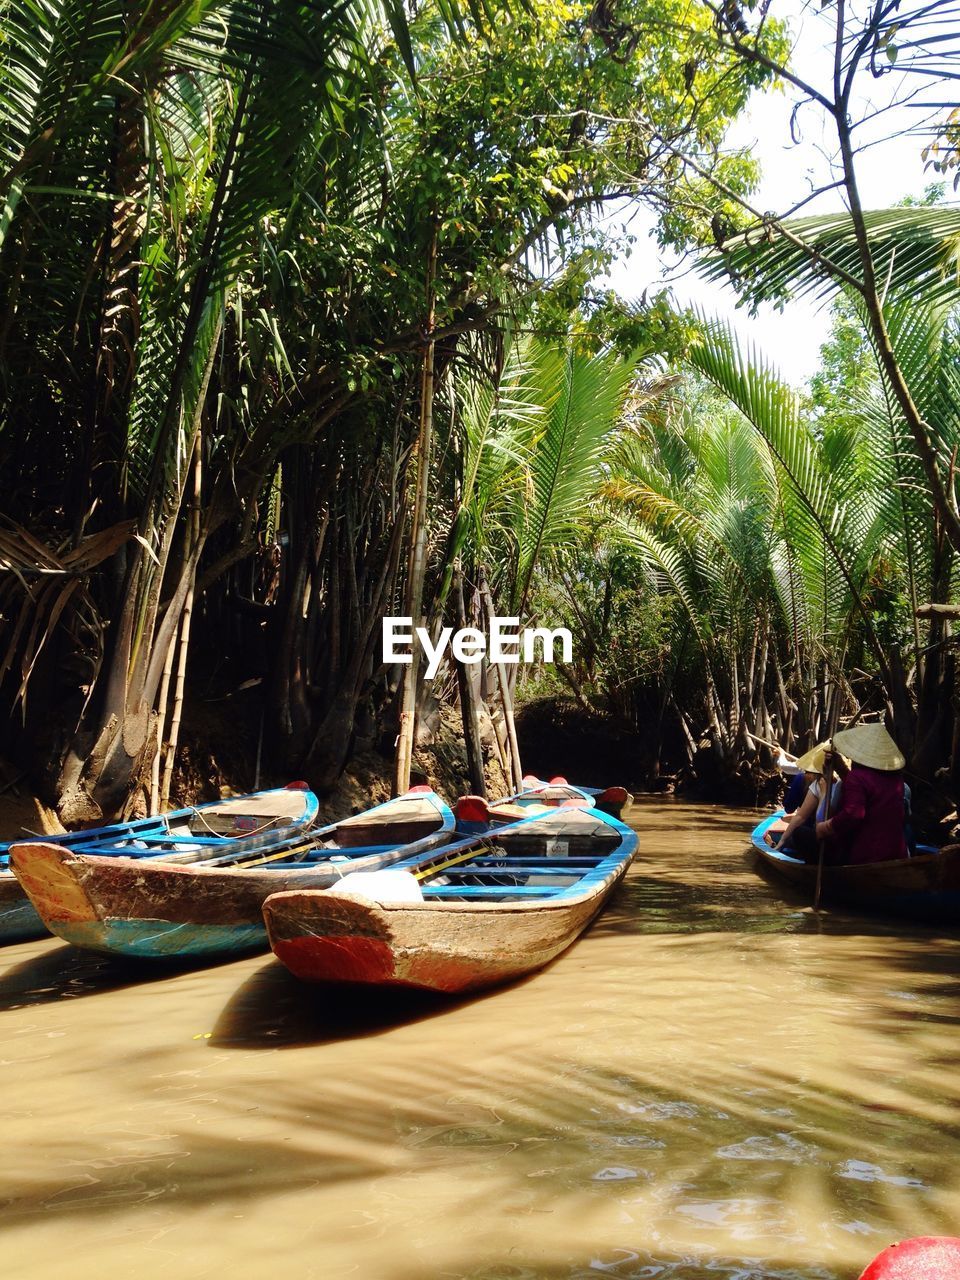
(198, 1166)
(679, 1096)
(273, 1009)
(66, 973)
(703, 1141)
(628, 1264)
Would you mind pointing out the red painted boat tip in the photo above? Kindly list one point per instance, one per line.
(531, 780)
(923, 1258)
(472, 809)
(297, 786)
(575, 802)
(559, 781)
(419, 790)
(613, 793)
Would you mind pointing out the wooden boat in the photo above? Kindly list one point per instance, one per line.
(490, 908)
(157, 907)
(261, 820)
(558, 791)
(923, 887)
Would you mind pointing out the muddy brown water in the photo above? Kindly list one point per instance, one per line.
(712, 1083)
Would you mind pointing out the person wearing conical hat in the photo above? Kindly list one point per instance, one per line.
(797, 833)
(868, 826)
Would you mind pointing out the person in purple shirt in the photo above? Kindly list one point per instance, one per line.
(869, 824)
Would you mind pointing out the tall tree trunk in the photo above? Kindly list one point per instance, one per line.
(468, 705)
(185, 621)
(515, 768)
(418, 540)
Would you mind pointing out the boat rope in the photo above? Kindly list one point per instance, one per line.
(239, 835)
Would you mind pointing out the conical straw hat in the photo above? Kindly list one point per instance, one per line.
(812, 762)
(870, 745)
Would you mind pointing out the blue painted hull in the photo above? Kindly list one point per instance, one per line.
(163, 940)
(158, 836)
(19, 922)
(157, 908)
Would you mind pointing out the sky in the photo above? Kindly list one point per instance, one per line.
(888, 171)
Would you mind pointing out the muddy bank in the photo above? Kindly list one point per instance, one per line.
(218, 756)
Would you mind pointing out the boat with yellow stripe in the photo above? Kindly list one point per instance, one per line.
(488, 908)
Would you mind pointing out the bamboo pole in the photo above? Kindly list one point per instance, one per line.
(418, 539)
(828, 794)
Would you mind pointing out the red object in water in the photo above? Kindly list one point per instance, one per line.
(559, 781)
(923, 1258)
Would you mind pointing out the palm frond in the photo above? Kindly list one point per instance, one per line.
(915, 251)
(583, 396)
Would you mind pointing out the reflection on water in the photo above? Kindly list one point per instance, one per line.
(714, 1083)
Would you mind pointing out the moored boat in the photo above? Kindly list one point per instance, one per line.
(167, 908)
(535, 791)
(485, 910)
(923, 887)
(261, 820)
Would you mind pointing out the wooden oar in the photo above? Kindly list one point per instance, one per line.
(827, 803)
(822, 844)
(774, 746)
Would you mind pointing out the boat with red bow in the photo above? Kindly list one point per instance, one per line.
(486, 909)
(535, 791)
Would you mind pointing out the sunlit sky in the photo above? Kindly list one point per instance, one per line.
(889, 170)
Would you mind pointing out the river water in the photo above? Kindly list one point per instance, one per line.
(713, 1083)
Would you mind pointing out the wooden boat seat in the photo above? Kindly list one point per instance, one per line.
(577, 845)
(483, 891)
(581, 863)
(526, 869)
(394, 831)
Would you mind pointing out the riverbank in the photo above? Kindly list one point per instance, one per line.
(221, 753)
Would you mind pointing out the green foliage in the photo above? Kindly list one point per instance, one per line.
(215, 219)
(847, 363)
(914, 249)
